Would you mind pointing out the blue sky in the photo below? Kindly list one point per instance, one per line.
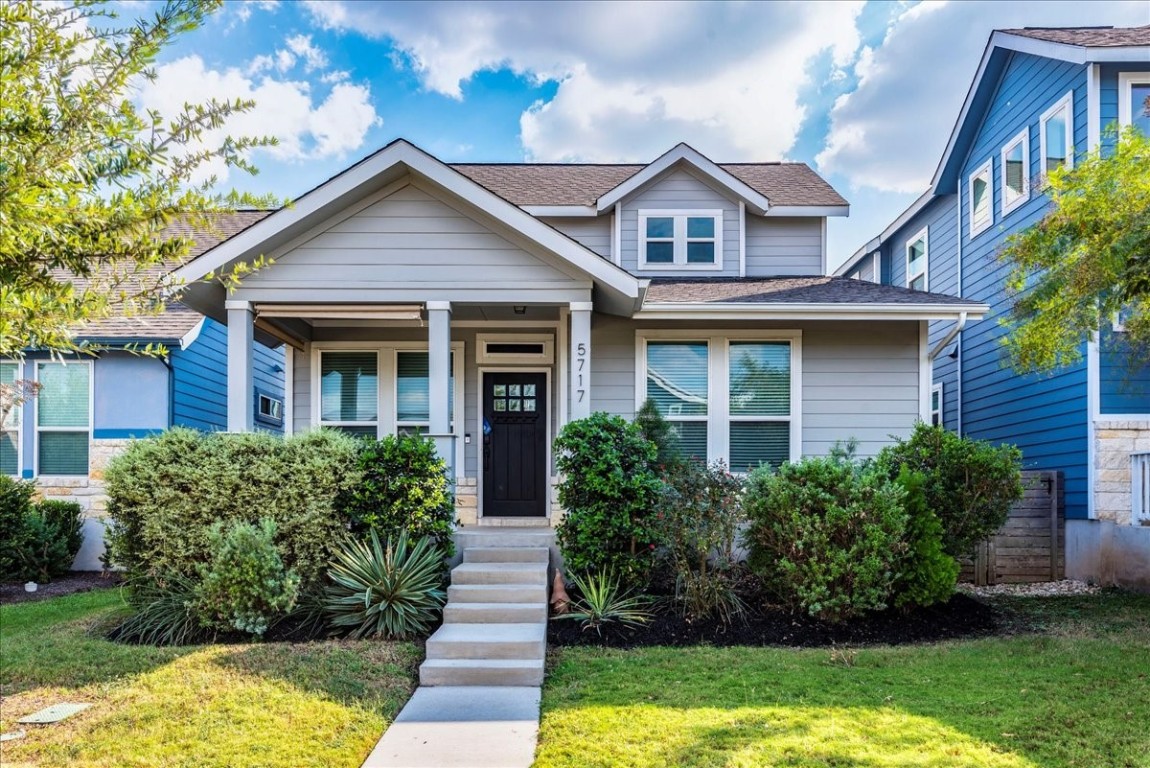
(865, 92)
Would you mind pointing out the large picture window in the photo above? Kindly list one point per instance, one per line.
(63, 417)
(681, 239)
(412, 392)
(729, 397)
(10, 435)
(349, 391)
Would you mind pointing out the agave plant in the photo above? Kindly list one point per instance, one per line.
(603, 599)
(391, 590)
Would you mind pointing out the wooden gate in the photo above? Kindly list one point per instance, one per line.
(1030, 546)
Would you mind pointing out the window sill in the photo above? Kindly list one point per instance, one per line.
(680, 267)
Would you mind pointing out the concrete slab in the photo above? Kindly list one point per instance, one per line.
(462, 726)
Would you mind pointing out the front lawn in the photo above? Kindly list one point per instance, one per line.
(272, 704)
(1074, 693)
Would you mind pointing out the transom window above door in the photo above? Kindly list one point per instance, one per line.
(681, 239)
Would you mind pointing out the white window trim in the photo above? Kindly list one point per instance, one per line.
(1065, 103)
(924, 235)
(1022, 138)
(18, 411)
(386, 422)
(1126, 83)
(987, 170)
(941, 411)
(37, 429)
(484, 357)
(680, 239)
(718, 416)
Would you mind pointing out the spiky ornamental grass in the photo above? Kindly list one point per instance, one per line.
(604, 599)
(391, 591)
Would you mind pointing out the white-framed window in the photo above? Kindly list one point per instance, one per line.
(1134, 100)
(1015, 172)
(1056, 135)
(936, 404)
(980, 192)
(518, 348)
(11, 436)
(917, 260)
(63, 417)
(731, 396)
(380, 389)
(674, 239)
(269, 409)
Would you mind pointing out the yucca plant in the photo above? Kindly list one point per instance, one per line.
(603, 600)
(391, 590)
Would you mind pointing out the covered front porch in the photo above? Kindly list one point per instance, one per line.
(490, 383)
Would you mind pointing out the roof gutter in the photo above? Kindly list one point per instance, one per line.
(957, 329)
(811, 311)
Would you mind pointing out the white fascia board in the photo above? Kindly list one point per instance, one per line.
(563, 211)
(418, 161)
(1119, 55)
(966, 103)
(683, 153)
(190, 337)
(893, 227)
(858, 256)
(808, 210)
(811, 311)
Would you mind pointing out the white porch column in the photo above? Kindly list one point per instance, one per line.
(580, 359)
(439, 378)
(241, 409)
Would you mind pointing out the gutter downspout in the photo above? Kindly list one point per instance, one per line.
(957, 329)
(958, 240)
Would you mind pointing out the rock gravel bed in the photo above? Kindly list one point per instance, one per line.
(1039, 589)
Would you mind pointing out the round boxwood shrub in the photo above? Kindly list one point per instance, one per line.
(826, 535)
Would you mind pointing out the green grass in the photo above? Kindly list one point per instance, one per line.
(1075, 693)
(270, 704)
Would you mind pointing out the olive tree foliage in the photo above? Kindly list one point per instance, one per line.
(88, 181)
(1086, 261)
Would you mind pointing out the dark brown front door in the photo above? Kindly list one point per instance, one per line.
(514, 444)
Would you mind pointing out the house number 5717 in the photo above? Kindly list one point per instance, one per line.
(580, 372)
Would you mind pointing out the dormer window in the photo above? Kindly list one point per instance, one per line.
(680, 239)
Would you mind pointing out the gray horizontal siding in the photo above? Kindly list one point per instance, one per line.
(593, 233)
(784, 246)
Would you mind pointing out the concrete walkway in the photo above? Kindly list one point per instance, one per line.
(478, 701)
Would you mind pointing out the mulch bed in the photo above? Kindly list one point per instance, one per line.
(961, 617)
(76, 581)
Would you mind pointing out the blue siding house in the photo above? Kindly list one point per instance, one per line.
(87, 407)
(1040, 98)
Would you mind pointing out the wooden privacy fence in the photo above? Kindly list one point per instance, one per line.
(1030, 546)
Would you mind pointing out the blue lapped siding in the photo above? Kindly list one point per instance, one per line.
(1046, 416)
(201, 378)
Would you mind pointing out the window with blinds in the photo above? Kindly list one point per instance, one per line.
(677, 381)
(10, 427)
(63, 413)
(349, 392)
(759, 390)
(412, 392)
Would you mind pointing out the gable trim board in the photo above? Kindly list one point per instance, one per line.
(810, 311)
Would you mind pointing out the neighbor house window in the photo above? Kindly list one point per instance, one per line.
(269, 409)
(10, 435)
(981, 199)
(412, 393)
(1134, 100)
(681, 239)
(349, 391)
(917, 259)
(936, 405)
(63, 417)
(729, 397)
(1056, 135)
(1015, 179)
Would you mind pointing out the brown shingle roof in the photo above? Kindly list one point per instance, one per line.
(1088, 37)
(786, 290)
(580, 184)
(176, 320)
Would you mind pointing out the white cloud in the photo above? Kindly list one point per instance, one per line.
(633, 77)
(244, 9)
(313, 57)
(285, 109)
(889, 133)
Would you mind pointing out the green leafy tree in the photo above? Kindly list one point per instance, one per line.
(1087, 259)
(88, 181)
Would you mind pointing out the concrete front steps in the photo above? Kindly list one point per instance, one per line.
(494, 629)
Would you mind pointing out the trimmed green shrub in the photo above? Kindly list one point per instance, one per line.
(391, 591)
(245, 586)
(826, 535)
(927, 575)
(15, 508)
(403, 486)
(609, 492)
(970, 484)
(53, 535)
(658, 430)
(166, 492)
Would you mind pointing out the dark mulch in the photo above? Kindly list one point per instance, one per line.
(961, 617)
(77, 581)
